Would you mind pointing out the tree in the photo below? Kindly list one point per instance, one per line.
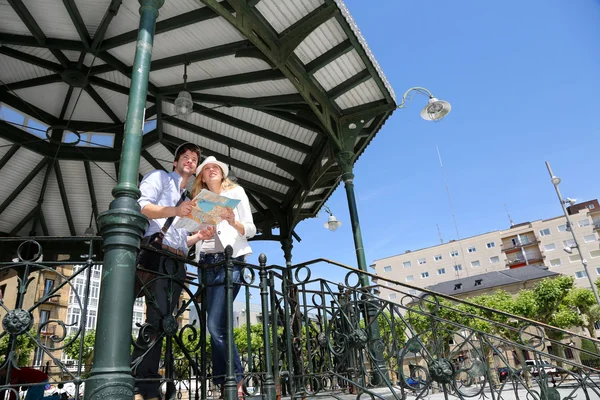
(72, 351)
(23, 347)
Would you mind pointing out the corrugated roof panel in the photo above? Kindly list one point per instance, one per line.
(54, 210)
(259, 180)
(105, 179)
(14, 70)
(340, 70)
(316, 192)
(256, 89)
(213, 68)
(73, 56)
(127, 19)
(92, 12)
(116, 101)
(162, 155)
(366, 92)
(76, 187)
(173, 8)
(21, 164)
(322, 39)
(10, 21)
(35, 51)
(308, 206)
(85, 108)
(116, 77)
(269, 122)
(49, 98)
(25, 201)
(283, 13)
(53, 18)
(198, 36)
(145, 167)
(245, 137)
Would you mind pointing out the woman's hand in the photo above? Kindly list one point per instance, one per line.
(206, 233)
(229, 216)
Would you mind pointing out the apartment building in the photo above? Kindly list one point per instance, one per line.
(539, 243)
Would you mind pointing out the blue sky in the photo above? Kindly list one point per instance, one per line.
(522, 77)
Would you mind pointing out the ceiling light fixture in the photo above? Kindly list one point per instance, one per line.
(332, 222)
(435, 109)
(183, 103)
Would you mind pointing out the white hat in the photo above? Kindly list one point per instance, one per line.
(213, 160)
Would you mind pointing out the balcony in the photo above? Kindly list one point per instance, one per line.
(597, 226)
(520, 244)
(56, 299)
(520, 261)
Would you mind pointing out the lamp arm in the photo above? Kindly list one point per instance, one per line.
(417, 89)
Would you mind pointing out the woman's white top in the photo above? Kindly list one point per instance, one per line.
(227, 234)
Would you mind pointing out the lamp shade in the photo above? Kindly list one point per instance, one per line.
(435, 109)
(332, 223)
(184, 104)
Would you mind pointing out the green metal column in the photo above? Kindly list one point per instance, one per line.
(345, 161)
(122, 227)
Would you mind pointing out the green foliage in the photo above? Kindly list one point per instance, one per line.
(588, 345)
(24, 346)
(72, 351)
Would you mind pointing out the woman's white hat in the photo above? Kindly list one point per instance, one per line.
(213, 160)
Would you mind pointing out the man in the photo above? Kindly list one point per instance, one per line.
(161, 191)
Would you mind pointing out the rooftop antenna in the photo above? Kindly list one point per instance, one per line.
(439, 233)
(509, 218)
(462, 253)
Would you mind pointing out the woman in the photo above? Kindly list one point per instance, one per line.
(234, 231)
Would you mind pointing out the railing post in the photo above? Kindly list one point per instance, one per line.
(269, 385)
(380, 370)
(230, 378)
(122, 227)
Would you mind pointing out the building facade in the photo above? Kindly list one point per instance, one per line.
(539, 243)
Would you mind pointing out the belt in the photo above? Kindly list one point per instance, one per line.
(173, 250)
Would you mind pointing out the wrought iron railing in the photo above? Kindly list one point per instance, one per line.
(318, 338)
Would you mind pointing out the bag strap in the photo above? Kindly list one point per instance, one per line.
(169, 220)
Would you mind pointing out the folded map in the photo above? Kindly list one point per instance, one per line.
(208, 210)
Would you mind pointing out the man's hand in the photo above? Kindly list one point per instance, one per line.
(184, 208)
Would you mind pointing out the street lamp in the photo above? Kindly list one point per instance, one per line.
(332, 222)
(435, 109)
(569, 249)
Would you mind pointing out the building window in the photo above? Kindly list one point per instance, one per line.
(441, 271)
(569, 243)
(406, 264)
(475, 264)
(562, 228)
(2, 290)
(454, 253)
(545, 232)
(387, 268)
(555, 262)
(575, 258)
(458, 267)
(48, 286)
(595, 254)
(590, 206)
(392, 296)
(422, 261)
(410, 278)
(550, 247)
(424, 275)
(472, 249)
(589, 238)
(583, 222)
(490, 245)
(597, 271)
(413, 292)
(494, 259)
(388, 284)
(580, 274)
(438, 257)
(44, 317)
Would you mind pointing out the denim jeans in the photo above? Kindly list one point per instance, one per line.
(216, 318)
(164, 300)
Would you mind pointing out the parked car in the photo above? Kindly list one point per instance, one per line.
(535, 366)
(504, 372)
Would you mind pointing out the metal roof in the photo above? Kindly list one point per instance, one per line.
(277, 92)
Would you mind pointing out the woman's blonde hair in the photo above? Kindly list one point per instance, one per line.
(226, 184)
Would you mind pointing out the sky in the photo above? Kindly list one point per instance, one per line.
(523, 81)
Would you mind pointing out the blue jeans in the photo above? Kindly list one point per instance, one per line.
(216, 319)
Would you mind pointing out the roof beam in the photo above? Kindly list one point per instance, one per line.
(8, 155)
(178, 21)
(296, 120)
(64, 198)
(42, 220)
(291, 37)
(261, 189)
(78, 22)
(159, 117)
(264, 37)
(28, 58)
(102, 104)
(259, 208)
(92, 191)
(200, 55)
(35, 29)
(250, 102)
(11, 197)
(28, 108)
(25, 220)
(111, 12)
(231, 80)
(50, 44)
(251, 128)
(42, 80)
(152, 160)
(349, 84)
(330, 55)
(115, 87)
(292, 168)
(122, 68)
